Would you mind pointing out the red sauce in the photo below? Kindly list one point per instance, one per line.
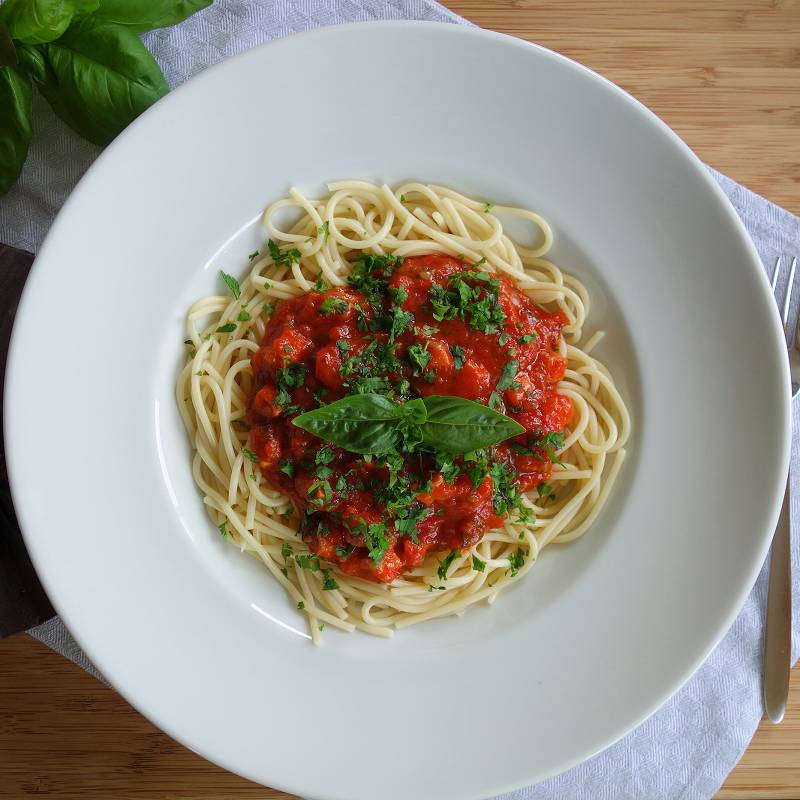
(321, 346)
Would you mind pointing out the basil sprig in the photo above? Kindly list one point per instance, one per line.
(374, 424)
(86, 59)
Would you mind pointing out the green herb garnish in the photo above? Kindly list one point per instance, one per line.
(507, 376)
(287, 258)
(372, 423)
(231, 283)
(86, 59)
(445, 563)
(515, 562)
(333, 305)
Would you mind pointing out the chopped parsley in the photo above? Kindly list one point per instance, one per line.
(506, 490)
(515, 562)
(252, 255)
(315, 488)
(458, 355)
(229, 327)
(477, 564)
(287, 467)
(308, 561)
(400, 295)
(328, 581)
(528, 337)
(321, 285)
(231, 283)
(249, 454)
(449, 469)
(506, 381)
(445, 563)
(419, 357)
(551, 443)
(324, 230)
(544, 489)
(477, 305)
(333, 305)
(324, 455)
(223, 529)
(300, 605)
(401, 321)
(244, 316)
(287, 258)
(376, 540)
(487, 207)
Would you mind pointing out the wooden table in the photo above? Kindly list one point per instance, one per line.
(726, 76)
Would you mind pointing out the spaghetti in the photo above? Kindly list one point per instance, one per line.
(216, 387)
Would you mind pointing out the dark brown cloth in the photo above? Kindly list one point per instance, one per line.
(23, 602)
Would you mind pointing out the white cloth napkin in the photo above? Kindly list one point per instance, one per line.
(687, 748)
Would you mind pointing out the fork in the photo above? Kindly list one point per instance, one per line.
(777, 639)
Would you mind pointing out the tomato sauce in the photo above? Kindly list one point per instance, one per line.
(426, 325)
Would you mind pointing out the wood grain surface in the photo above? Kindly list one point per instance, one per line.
(726, 76)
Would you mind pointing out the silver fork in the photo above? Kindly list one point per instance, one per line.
(777, 640)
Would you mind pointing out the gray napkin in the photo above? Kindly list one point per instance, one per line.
(687, 748)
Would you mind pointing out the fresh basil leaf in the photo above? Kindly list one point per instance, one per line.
(8, 53)
(39, 21)
(363, 423)
(457, 425)
(102, 78)
(413, 411)
(145, 15)
(15, 125)
(33, 63)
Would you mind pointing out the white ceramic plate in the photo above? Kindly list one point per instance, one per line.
(197, 636)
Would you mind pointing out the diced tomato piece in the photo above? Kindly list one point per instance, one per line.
(327, 364)
(473, 381)
(264, 402)
(558, 366)
(289, 346)
(266, 445)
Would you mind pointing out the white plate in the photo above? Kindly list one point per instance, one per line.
(198, 637)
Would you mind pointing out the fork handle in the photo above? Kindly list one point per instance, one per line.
(777, 639)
